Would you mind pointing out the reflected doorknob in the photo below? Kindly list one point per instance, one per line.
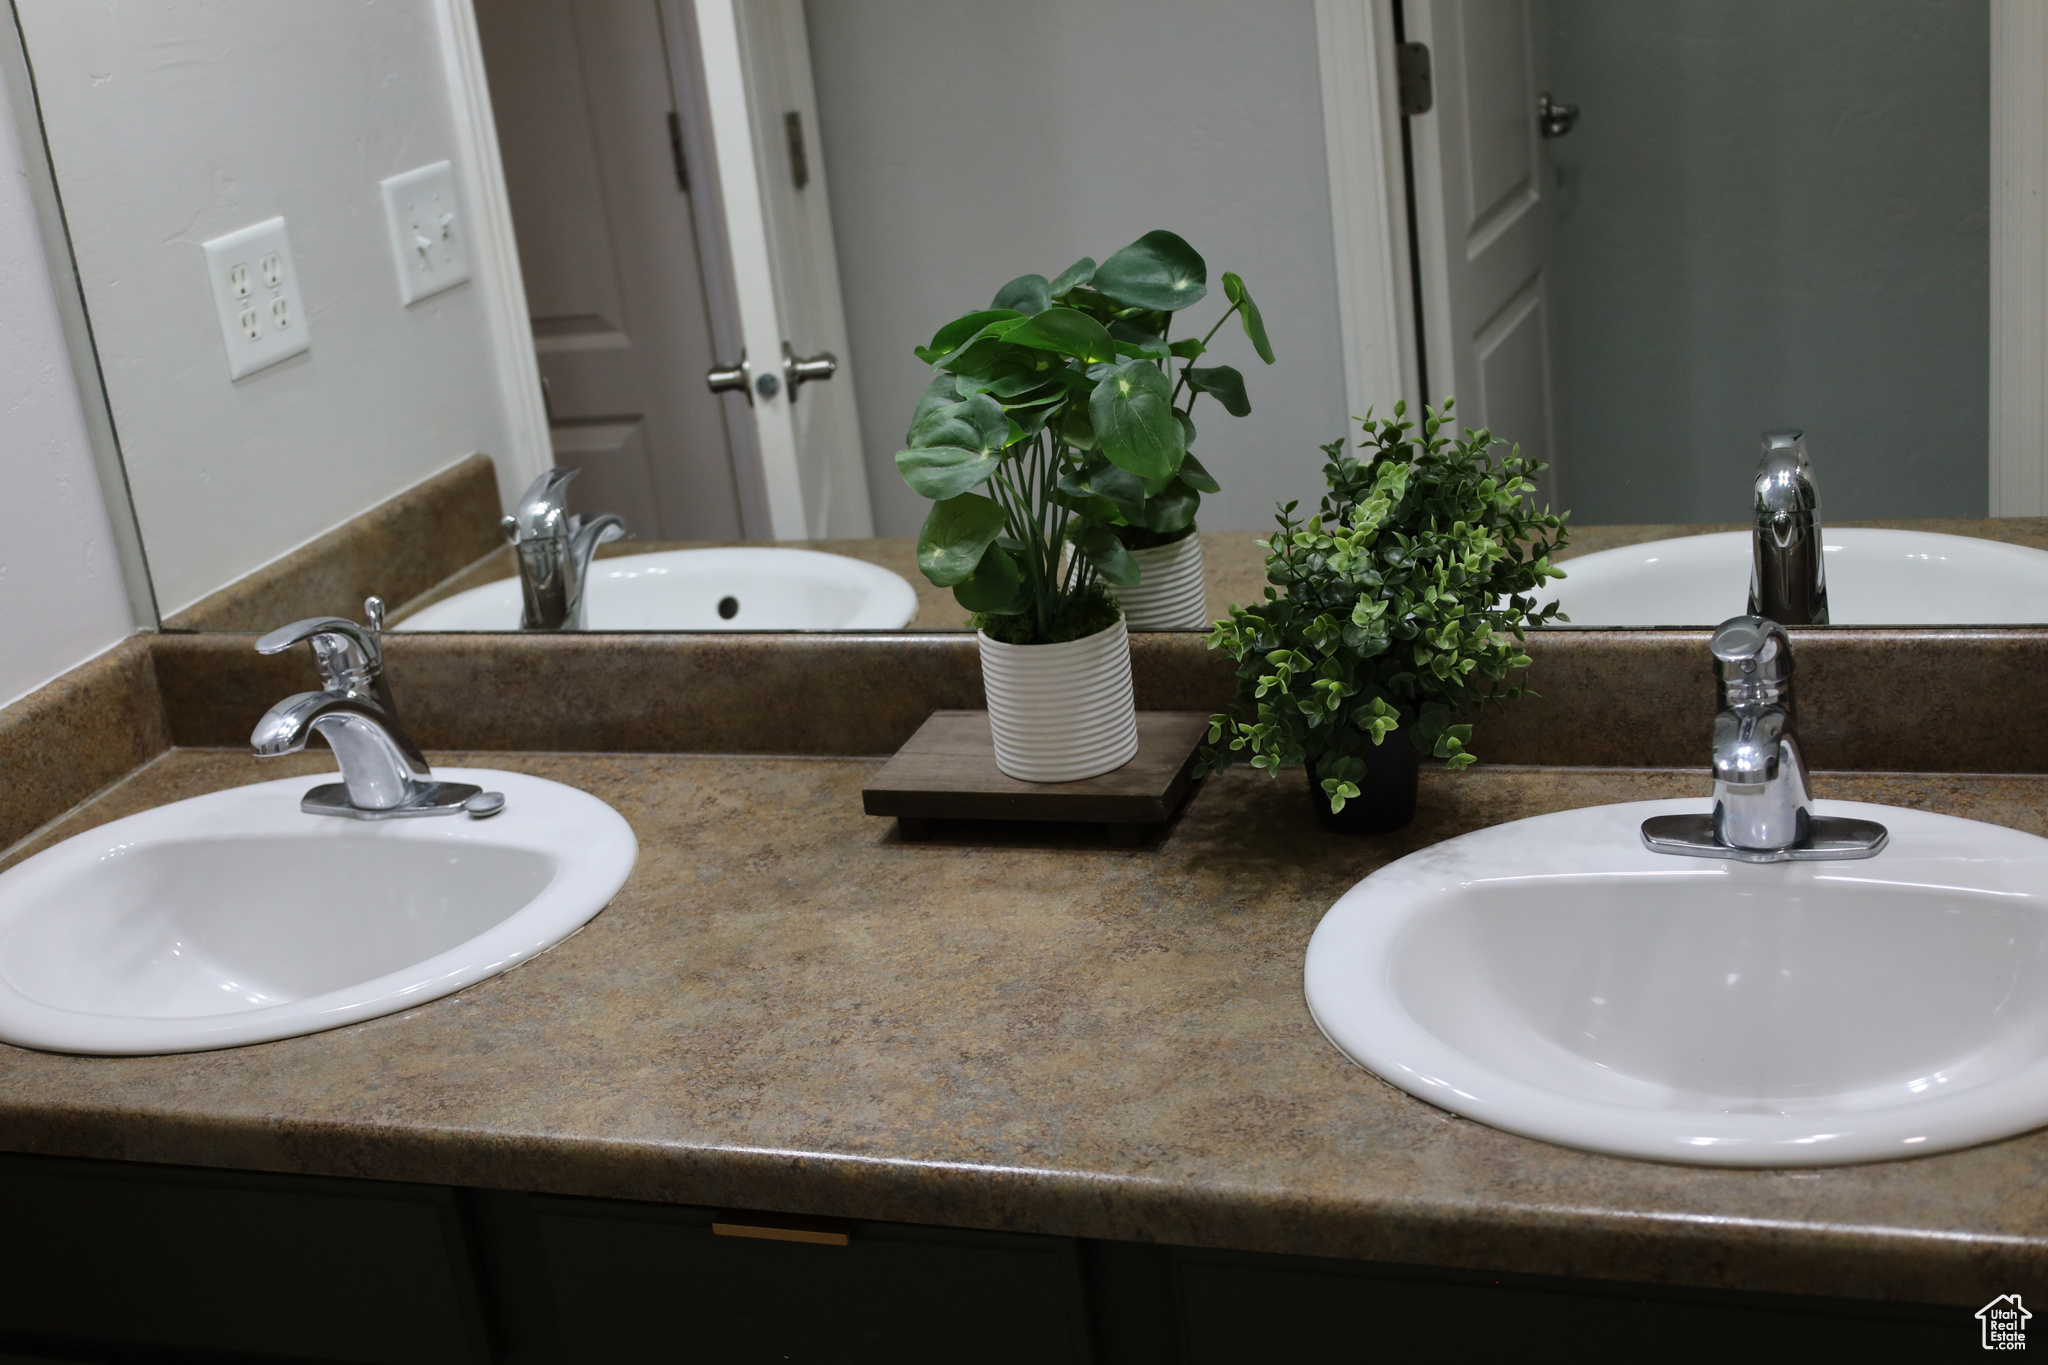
(1554, 119)
(823, 365)
(734, 379)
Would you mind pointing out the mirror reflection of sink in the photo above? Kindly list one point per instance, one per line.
(237, 918)
(1554, 978)
(1874, 578)
(742, 588)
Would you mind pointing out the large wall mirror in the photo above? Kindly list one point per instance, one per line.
(359, 275)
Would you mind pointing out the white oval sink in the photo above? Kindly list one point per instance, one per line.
(1874, 578)
(1554, 978)
(237, 918)
(743, 588)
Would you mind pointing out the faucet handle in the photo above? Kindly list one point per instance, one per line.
(349, 656)
(1751, 649)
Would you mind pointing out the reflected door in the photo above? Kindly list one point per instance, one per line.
(1486, 221)
(583, 102)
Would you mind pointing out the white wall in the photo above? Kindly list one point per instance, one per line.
(971, 143)
(61, 599)
(172, 122)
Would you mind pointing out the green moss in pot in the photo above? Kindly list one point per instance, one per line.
(1396, 612)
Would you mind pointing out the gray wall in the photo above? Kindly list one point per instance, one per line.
(969, 143)
(1774, 215)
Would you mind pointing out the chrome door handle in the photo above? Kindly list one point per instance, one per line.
(736, 379)
(1554, 119)
(809, 369)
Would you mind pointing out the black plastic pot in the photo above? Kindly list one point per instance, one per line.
(1386, 795)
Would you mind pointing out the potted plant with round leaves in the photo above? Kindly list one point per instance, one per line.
(1401, 610)
(1053, 440)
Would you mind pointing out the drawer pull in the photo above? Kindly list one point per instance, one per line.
(784, 1227)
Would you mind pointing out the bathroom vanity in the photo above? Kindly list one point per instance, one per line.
(1064, 1100)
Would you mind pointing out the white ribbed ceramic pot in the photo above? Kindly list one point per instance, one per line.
(1061, 712)
(1170, 594)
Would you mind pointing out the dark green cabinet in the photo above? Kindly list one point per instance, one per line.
(648, 1284)
(128, 1264)
(115, 1256)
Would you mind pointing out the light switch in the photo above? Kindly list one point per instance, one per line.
(256, 295)
(428, 236)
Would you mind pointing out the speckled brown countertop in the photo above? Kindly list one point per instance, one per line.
(787, 1008)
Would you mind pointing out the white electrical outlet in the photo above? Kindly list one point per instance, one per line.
(427, 232)
(256, 294)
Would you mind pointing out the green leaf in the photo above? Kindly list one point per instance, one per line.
(975, 423)
(937, 394)
(1124, 490)
(956, 535)
(1248, 314)
(1004, 381)
(1077, 430)
(1190, 348)
(1187, 427)
(1172, 510)
(983, 355)
(996, 585)
(1073, 277)
(1226, 383)
(1100, 547)
(1158, 271)
(940, 472)
(1026, 294)
(1067, 331)
(1132, 409)
(1194, 476)
(1138, 342)
(950, 337)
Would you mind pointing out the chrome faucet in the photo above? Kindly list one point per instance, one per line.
(1787, 581)
(554, 549)
(1763, 812)
(383, 773)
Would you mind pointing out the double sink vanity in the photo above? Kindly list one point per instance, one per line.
(643, 1042)
(1061, 1100)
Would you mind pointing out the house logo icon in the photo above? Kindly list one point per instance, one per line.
(2005, 1323)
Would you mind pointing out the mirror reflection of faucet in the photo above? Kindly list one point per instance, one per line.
(553, 549)
(1788, 582)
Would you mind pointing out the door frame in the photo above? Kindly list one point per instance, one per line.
(1369, 221)
(2019, 258)
(1369, 206)
(493, 252)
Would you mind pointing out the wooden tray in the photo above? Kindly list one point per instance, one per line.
(947, 771)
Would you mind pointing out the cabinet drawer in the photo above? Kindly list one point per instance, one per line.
(352, 1271)
(650, 1283)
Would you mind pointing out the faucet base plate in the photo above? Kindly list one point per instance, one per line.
(1830, 838)
(433, 798)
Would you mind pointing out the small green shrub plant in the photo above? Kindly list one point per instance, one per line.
(1054, 418)
(1401, 605)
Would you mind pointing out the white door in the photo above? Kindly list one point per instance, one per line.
(607, 247)
(749, 119)
(1486, 214)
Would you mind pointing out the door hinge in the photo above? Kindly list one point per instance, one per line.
(675, 148)
(799, 163)
(1411, 65)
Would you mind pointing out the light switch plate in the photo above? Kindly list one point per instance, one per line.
(428, 235)
(256, 295)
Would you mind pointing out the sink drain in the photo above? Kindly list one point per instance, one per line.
(728, 607)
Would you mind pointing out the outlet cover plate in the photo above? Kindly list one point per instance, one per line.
(256, 296)
(429, 238)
